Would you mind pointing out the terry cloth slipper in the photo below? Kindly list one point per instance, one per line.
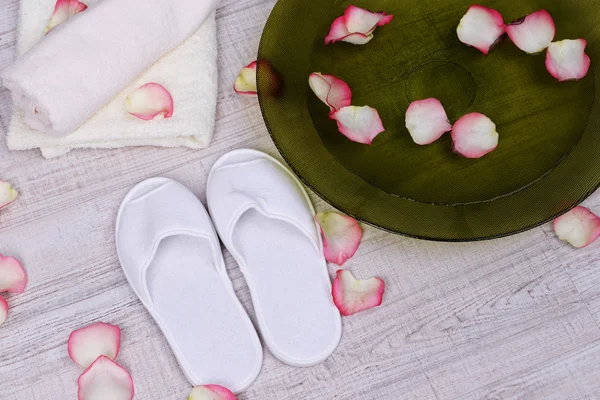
(172, 259)
(265, 219)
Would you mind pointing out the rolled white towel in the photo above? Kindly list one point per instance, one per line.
(83, 63)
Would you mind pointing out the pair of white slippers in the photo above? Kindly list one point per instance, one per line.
(171, 256)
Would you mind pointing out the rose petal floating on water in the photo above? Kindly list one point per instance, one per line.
(579, 227)
(87, 344)
(7, 194)
(341, 236)
(63, 11)
(481, 27)
(426, 121)
(340, 33)
(149, 101)
(104, 380)
(566, 60)
(330, 90)
(351, 295)
(533, 33)
(211, 392)
(356, 26)
(474, 135)
(3, 310)
(13, 277)
(359, 124)
(363, 21)
(246, 81)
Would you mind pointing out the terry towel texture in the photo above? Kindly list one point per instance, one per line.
(95, 67)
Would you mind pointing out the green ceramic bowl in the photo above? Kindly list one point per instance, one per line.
(548, 158)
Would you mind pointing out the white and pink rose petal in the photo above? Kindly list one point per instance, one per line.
(578, 227)
(474, 135)
(351, 295)
(7, 194)
(533, 33)
(481, 28)
(359, 124)
(426, 121)
(245, 83)
(63, 11)
(339, 33)
(566, 60)
(105, 379)
(332, 91)
(341, 236)
(87, 344)
(13, 277)
(211, 392)
(3, 310)
(149, 101)
(359, 20)
(356, 26)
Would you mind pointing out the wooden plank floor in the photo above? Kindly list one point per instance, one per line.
(514, 318)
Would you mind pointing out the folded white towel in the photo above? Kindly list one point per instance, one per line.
(86, 81)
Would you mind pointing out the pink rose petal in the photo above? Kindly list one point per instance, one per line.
(3, 310)
(474, 135)
(341, 236)
(246, 81)
(105, 380)
(339, 33)
(351, 295)
(356, 26)
(579, 227)
(7, 194)
(87, 344)
(63, 11)
(330, 90)
(533, 33)
(149, 101)
(211, 392)
(426, 120)
(13, 278)
(481, 27)
(566, 60)
(359, 20)
(359, 124)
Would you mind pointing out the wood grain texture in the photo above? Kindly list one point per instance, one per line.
(514, 318)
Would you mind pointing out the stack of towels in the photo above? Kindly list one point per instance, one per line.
(69, 86)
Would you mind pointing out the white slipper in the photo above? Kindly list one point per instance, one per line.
(266, 220)
(171, 257)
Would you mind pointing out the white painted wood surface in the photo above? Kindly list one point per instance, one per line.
(515, 318)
